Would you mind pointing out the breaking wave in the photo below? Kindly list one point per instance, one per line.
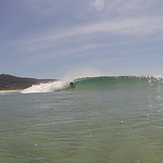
(100, 82)
(47, 87)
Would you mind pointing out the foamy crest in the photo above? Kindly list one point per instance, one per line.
(47, 87)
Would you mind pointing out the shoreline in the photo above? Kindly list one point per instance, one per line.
(12, 90)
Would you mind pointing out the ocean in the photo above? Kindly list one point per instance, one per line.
(104, 119)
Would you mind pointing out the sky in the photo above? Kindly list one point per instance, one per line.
(53, 38)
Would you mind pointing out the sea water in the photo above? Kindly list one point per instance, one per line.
(98, 120)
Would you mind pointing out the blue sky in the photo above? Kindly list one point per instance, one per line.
(52, 38)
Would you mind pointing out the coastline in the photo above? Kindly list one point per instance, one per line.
(12, 90)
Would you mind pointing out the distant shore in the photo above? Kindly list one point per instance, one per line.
(10, 83)
(14, 90)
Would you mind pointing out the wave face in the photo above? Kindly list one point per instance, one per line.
(96, 83)
(108, 82)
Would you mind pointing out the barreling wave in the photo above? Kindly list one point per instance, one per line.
(108, 82)
(95, 83)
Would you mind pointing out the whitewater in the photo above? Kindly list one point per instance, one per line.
(47, 87)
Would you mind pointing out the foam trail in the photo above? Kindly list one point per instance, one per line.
(47, 87)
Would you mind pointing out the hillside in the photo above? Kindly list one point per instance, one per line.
(9, 82)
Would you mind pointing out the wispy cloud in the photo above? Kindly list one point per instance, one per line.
(40, 31)
(79, 39)
(126, 27)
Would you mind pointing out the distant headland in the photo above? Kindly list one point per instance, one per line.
(10, 82)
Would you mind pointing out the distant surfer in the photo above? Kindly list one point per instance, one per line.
(71, 83)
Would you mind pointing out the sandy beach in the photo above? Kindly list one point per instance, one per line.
(16, 90)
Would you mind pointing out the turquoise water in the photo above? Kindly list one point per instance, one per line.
(99, 120)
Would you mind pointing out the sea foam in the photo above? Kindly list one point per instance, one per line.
(47, 87)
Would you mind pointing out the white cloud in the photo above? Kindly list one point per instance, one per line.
(38, 31)
(136, 26)
(80, 39)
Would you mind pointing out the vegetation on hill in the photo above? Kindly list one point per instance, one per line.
(9, 82)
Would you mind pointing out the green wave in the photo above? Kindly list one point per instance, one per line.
(108, 82)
